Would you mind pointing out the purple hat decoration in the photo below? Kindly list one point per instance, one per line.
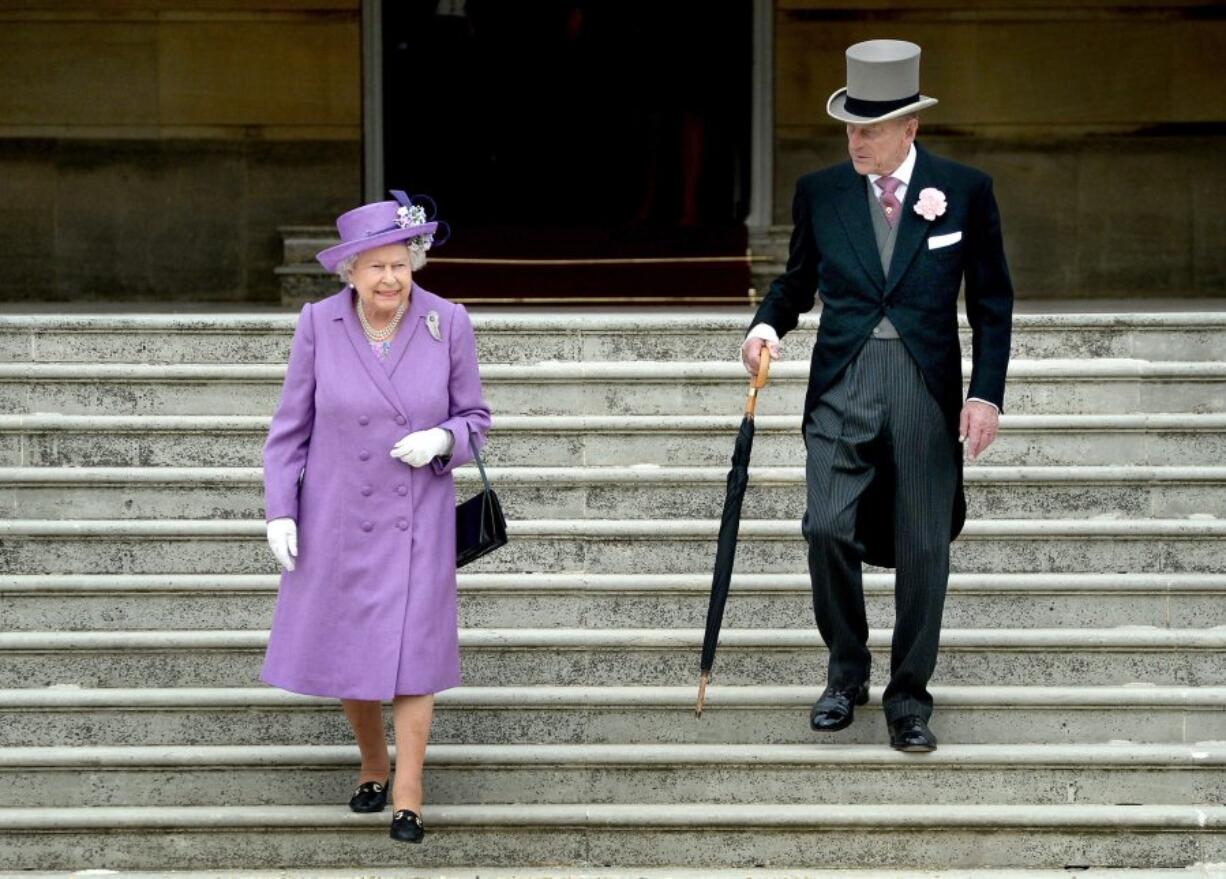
(386, 222)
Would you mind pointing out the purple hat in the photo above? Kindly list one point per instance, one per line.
(383, 222)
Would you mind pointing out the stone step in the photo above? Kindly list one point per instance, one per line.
(322, 775)
(101, 602)
(1196, 871)
(641, 657)
(606, 546)
(602, 388)
(998, 715)
(644, 491)
(644, 834)
(518, 337)
(208, 769)
(50, 440)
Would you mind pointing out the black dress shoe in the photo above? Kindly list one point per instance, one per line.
(407, 826)
(836, 708)
(369, 797)
(911, 733)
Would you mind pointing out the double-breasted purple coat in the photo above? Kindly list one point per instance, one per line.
(370, 610)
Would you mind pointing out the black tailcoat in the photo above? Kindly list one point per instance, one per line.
(834, 254)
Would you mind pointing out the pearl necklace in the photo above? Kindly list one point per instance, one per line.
(388, 331)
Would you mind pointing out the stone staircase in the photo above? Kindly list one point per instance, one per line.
(1080, 692)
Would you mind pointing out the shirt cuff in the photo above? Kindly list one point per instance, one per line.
(764, 331)
(980, 400)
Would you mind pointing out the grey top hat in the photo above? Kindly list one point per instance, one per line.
(882, 83)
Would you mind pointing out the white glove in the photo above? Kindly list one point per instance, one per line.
(420, 447)
(283, 539)
(770, 341)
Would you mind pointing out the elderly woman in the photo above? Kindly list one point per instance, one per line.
(381, 402)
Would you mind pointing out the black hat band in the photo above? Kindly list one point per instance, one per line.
(872, 109)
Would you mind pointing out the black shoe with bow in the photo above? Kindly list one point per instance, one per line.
(836, 708)
(407, 826)
(371, 796)
(911, 733)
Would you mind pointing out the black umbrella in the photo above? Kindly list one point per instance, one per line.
(725, 552)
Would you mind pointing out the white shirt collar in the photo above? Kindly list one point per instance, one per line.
(904, 170)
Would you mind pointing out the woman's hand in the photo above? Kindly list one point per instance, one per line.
(283, 539)
(420, 447)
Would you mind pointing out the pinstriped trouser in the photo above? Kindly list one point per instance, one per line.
(881, 399)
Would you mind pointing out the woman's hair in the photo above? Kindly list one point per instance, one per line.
(417, 259)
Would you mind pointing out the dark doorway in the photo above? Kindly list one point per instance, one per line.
(579, 149)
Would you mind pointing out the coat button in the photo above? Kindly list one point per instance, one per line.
(363, 455)
(402, 524)
(400, 419)
(367, 526)
(401, 490)
(366, 491)
(363, 420)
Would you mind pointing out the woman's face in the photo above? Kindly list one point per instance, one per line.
(383, 278)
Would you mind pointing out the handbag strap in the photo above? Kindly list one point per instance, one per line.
(485, 494)
(477, 457)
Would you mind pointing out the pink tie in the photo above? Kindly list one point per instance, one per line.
(889, 201)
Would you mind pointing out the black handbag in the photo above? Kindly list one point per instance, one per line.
(480, 527)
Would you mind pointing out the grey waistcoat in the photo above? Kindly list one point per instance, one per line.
(885, 235)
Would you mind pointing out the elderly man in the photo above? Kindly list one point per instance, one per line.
(886, 240)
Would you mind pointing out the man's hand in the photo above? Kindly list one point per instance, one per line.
(979, 426)
(760, 335)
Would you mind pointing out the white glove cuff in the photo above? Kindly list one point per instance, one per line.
(764, 331)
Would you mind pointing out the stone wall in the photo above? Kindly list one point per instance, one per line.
(1103, 125)
(149, 150)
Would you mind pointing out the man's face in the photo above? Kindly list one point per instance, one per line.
(881, 147)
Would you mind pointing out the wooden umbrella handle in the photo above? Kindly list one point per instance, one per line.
(764, 368)
(757, 382)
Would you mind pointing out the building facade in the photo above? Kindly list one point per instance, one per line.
(152, 150)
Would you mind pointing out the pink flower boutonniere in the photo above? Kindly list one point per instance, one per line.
(930, 204)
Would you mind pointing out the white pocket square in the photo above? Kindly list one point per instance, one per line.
(936, 241)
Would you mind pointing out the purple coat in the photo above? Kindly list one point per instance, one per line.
(370, 611)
